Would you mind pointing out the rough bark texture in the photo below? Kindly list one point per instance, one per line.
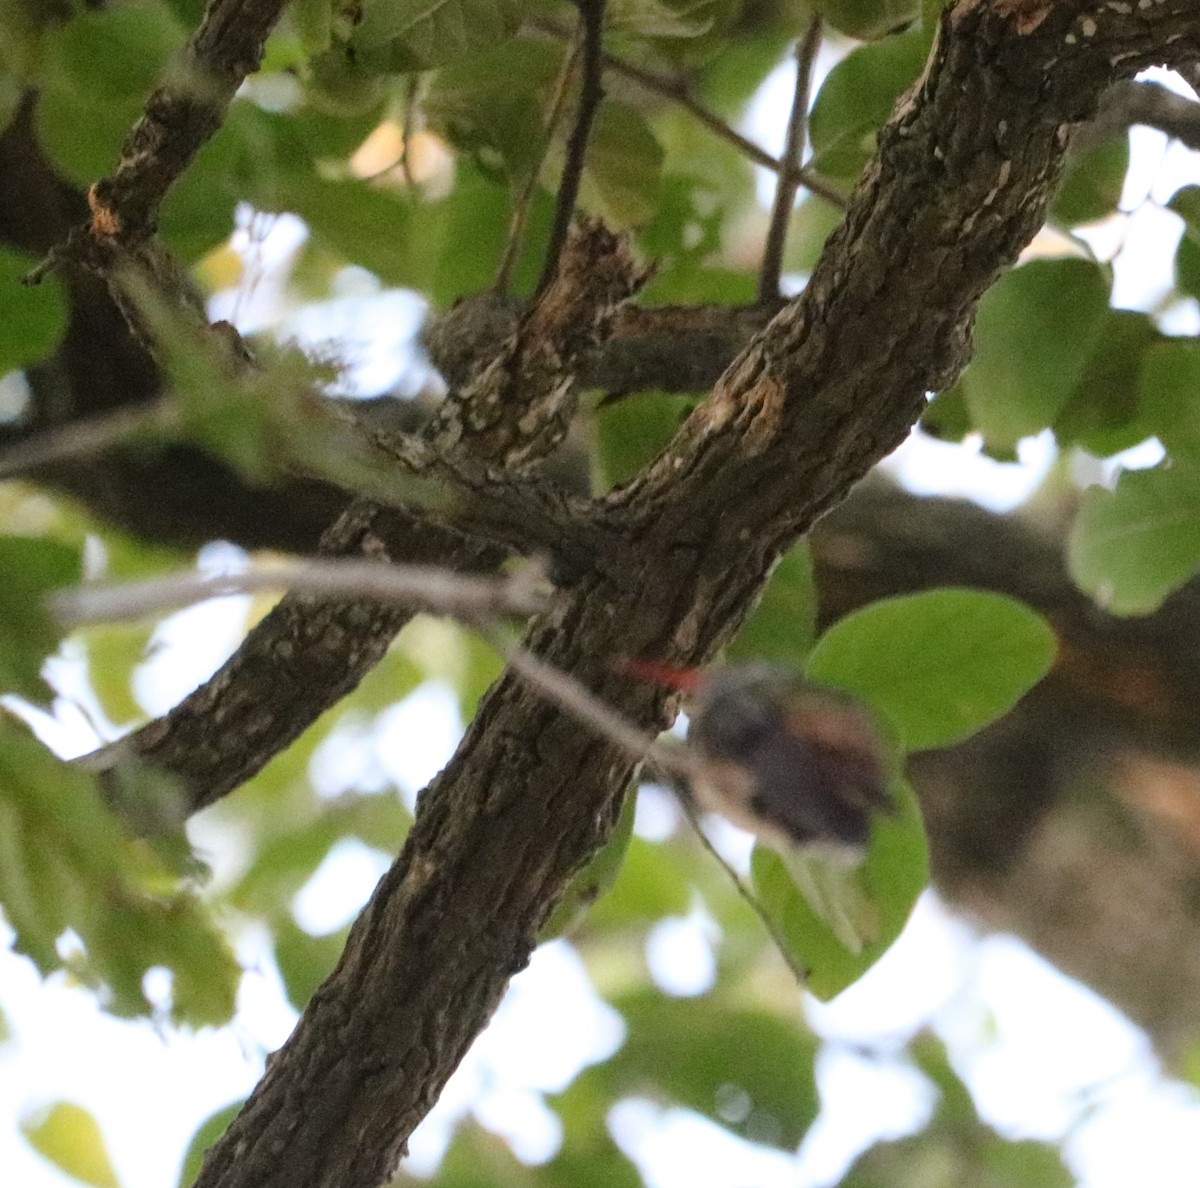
(181, 116)
(960, 183)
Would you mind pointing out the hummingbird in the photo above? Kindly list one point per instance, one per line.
(801, 766)
(795, 763)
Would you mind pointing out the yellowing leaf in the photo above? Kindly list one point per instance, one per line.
(68, 1136)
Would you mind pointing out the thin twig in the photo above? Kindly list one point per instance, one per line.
(83, 438)
(677, 92)
(524, 201)
(591, 91)
(426, 587)
(793, 154)
(674, 765)
(688, 804)
(406, 130)
(568, 694)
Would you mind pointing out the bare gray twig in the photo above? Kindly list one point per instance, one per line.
(425, 587)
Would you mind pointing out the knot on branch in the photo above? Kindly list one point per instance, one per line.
(519, 407)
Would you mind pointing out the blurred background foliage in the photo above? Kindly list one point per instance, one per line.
(401, 136)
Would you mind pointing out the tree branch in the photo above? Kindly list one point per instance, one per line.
(591, 15)
(793, 153)
(1149, 104)
(83, 439)
(523, 201)
(181, 115)
(417, 587)
(960, 183)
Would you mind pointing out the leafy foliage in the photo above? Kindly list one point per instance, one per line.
(938, 666)
(68, 865)
(35, 320)
(1033, 346)
(28, 634)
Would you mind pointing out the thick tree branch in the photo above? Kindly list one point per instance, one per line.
(961, 181)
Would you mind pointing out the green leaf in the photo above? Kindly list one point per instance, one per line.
(893, 875)
(208, 1132)
(1170, 394)
(946, 417)
(856, 99)
(1185, 202)
(660, 18)
(32, 568)
(82, 138)
(631, 432)
(497, 102)
(117, 52)
(1131, 547)
(1105, 412)
(114, 652)
(99, 68)
(653, 882)
(868, 20)
(623, 171)
(940, 665)
(290, 855)
(700, 1053)
(783, 624)
(66, 863)
(32, 317)
(305, 961)
(432, 32)
(1036, 330)
(595, 878)
(811, 224)
(1093, 184)
(11, 94)
(366, 226)
(68, 1136)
